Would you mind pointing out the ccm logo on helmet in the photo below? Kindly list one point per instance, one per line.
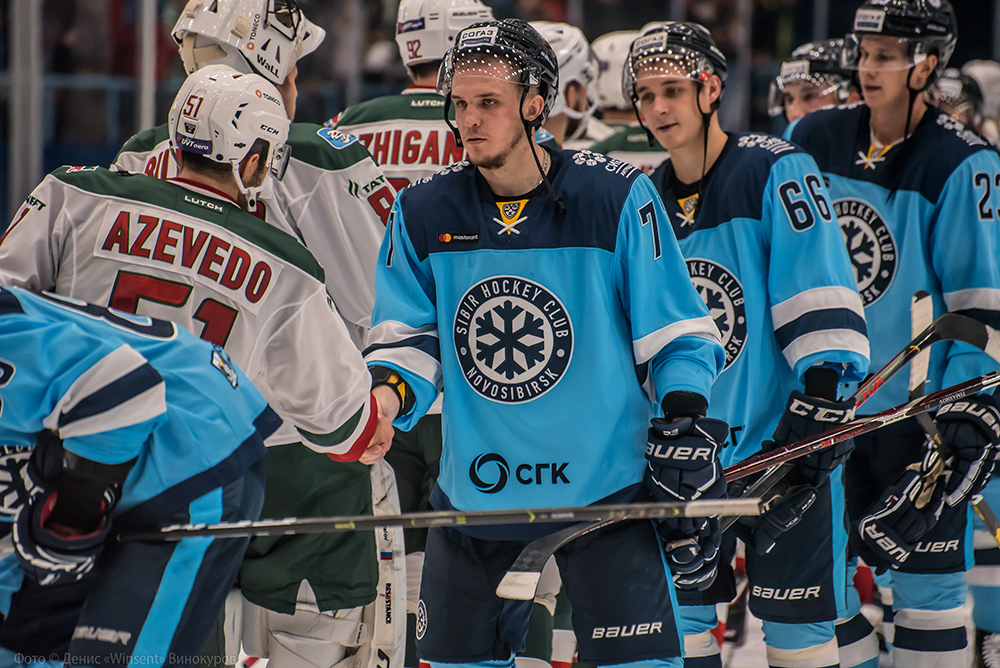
(269, 98)
(268, 128)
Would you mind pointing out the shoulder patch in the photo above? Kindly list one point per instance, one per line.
(543, 135)
(450, 169)
(336, 138)
(775, 145)
(587, 158)
(961, 131)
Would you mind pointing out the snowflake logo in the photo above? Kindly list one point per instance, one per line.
(513, 337)
(588, 158)
(723, 295)
(870, 245)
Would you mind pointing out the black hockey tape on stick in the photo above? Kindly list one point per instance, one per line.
(418, 520)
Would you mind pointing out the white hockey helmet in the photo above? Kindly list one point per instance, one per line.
(577, 64)
(611, 50)
(426, 29)
(220, 113)
(266, 37)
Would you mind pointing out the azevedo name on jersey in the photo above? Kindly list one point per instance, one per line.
(149, 240)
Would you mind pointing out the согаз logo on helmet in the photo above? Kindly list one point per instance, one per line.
(513, 338)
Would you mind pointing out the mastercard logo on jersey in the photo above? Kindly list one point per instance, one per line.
(458, 237)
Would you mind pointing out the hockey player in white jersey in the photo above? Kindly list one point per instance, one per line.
(532, 283)
(575, 103)
(184, 249)
(627, 142)
(810, 79)
(113, 423)
(915, 193)
(334, 199)
(762, 245)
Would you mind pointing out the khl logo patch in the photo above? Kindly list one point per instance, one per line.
(723, 295)
(870, 245)
(513, 337)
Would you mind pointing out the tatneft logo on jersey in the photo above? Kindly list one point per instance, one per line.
(513, 337)
(870, 245)
(723, 295)
(143, 239)
(410, 26)
(413, 147)
(490, 473)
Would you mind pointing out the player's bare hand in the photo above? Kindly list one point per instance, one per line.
(381, 441)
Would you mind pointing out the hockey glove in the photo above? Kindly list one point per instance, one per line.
(782, 511)
(15, 483)
(683, 464)
(971, 427)
(806, 416)
(48, 557)
(694, 559)
(894, 525)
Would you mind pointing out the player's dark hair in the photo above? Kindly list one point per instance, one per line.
(424, 70)
(201, 164)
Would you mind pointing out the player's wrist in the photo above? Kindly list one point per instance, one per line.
(387, 401)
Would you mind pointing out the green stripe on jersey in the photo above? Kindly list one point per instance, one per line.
(413, 107)
(339, 435)
(225, 214)
(145, 141)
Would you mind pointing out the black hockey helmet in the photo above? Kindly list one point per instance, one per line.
(817, 63)
(509, 49)
(677, 49)
(929, 26)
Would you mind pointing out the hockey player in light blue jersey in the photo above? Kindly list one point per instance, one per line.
(916, 193)
(113, 422)
(546, 292)
(763, 248)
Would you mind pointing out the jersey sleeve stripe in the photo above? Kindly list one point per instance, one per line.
(105, 403)
(426, 344)
(347, 442)
(817, 299)
(111, 395)
(985, 299)
(825, 341)
(413, 360)
(817, 322)
(646, 347)
(392, 330)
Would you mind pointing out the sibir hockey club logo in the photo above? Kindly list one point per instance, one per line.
(870, 245)
(513, 337)
(723, 295)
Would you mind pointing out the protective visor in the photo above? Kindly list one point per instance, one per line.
(478, 54)
(871, 51)
(796, 75)
(651, 57)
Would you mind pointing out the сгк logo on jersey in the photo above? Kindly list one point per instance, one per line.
(723, 295)
(870, 245)
(513, 337)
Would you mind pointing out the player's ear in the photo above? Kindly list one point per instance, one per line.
(924, 69)
(533, 106)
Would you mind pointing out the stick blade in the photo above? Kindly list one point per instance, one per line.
(519, 586)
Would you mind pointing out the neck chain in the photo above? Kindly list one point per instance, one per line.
(545, 168)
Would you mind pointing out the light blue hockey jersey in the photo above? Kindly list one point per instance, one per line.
(765, 253)
(553, 334)
(117, 387)
(939, 231)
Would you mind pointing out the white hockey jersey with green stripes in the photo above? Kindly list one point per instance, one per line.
(333, 197)
(176, 251)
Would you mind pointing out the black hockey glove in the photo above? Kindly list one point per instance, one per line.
(683, 459)
(807, 416)
(886, 536)
(15, 483)
(784, 510)
(971, 427)
(694, 558)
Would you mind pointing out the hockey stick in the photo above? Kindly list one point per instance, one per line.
(949, 327)
(921, 313)
(521, 577)
(419, 520)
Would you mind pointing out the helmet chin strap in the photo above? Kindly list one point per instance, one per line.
(529, 131)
